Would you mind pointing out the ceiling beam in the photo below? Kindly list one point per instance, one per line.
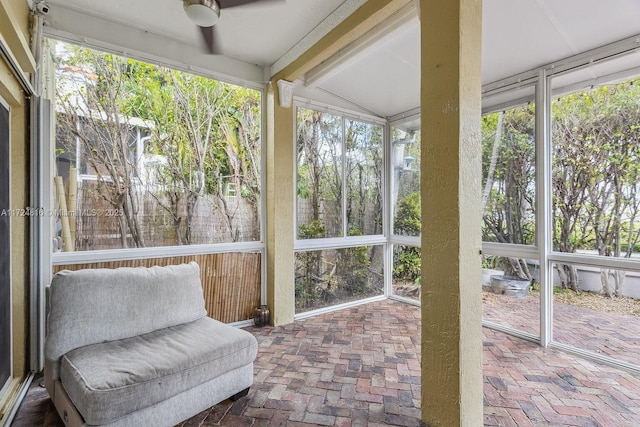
(358, 48)
(356, 25)
(319, 31)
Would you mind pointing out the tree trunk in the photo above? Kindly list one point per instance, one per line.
(612, 281)
(606, 285)
(517, 267)
(492, 165)
(568, 277)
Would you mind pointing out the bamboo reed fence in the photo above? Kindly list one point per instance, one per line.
(230, 281)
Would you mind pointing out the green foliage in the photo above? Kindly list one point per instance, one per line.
(334, 274)
(305, 190)
(313, 230)
(407, 259)
(407, 263)
(337, 155)
(596, 170)
(408, 215)
(509, 212)
(307, 291)
(490, 262)
(202, 128)
(353, 270)
(559, 290)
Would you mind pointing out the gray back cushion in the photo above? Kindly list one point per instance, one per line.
(95, 305)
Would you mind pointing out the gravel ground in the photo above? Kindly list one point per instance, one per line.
(585, 299)
(598, 302)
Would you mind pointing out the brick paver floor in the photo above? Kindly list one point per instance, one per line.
(607, 333)
(360, 367)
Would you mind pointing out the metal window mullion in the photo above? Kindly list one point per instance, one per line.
(344, 175)
(40, 230)
(406, 240)
(510, 250)
(36, 309)
(602, 53)
(391, 181)
(106, 255)
(597, 261)
(338, 242)
(263, 189)
(294, 143)
(338, 111)
(387, 177)
(544, 226)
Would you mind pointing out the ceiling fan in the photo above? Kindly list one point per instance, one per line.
(205, 14)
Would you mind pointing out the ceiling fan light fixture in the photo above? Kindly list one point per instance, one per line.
(203, 13)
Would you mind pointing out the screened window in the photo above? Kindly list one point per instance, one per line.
(148, 156)
(508, 172)
(596, 171)
(336, 276)
(406, 210)
(601, 327)
(509, 218)
(339, 176)
(405, 193)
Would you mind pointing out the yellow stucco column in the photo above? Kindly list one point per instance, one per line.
(451, 239)
(280, 210)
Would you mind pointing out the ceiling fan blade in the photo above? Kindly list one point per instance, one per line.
(210, 39)
(234, 3)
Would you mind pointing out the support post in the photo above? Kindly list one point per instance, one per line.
(451, 238)
(280, 208)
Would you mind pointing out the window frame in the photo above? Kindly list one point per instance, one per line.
(345, 241)
(541, 79)
(412, 118)
(105, 255)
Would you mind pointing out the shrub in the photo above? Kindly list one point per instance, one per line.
(407, 222)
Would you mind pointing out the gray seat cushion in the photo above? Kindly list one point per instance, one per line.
(109, 380)
(95, 305)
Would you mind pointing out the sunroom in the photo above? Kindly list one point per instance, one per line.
(322, 155)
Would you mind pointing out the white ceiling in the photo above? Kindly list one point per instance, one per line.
(382, 78)
(258, 33)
